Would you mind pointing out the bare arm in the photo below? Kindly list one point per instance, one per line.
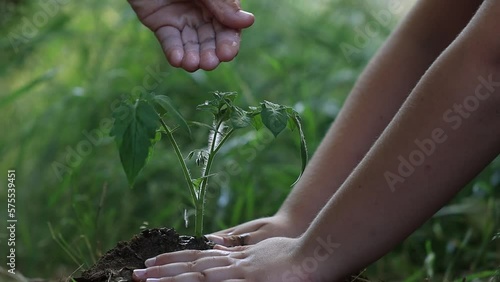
(375, 99)
(373, 102)
(454, 111)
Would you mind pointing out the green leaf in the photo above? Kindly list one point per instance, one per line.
(295, 118)
(239, 118)
(221, 107)
(197, 181)
(291, 122)
(209, 106)
(225, 97)
(221, 101)
(274, 117)
(254, 110)
(257, 122)
(255, 118)
(153, 141)
(135, 129)
(166, 103)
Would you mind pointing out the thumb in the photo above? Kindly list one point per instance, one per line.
(229, 13)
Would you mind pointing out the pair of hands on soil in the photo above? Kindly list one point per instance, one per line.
(195, 34)
(269, 252)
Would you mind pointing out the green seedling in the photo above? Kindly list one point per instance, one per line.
(140, 124)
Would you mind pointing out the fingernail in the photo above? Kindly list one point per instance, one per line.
(244, 13)
(139, 273)
(153, 280)
(150, 262)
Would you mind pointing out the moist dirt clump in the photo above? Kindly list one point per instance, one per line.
(118, 264)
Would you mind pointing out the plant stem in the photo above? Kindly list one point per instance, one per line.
(198, 198)
(204, 184)
(200, 205)
(224, 140)
(185, 170)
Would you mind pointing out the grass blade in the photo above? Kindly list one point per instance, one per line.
(26, 88)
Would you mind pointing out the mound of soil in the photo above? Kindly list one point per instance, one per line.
(118, 264)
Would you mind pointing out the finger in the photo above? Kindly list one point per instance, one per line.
(236, 250)
(191, 60)
(256, 237)
(215, 238)
(230, 14)
(230, 240)
(225, 231)
(174, 269)
(208, 58)
(248, 227)
(209, 275)
(227, 42)
(183, 256)
(217, 274)
(171, 42)
(242, 228)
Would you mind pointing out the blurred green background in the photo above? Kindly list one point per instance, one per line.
(64, 64)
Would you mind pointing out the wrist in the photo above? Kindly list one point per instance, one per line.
(294, 218)
(319, 257)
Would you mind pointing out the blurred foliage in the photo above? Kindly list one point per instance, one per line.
(63, 68)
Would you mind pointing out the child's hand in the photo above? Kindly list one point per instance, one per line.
(195, 33)
(254, 231)
(275, 259)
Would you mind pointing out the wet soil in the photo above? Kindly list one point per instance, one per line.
(118, 264)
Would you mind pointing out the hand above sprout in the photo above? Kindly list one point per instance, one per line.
(195, 34)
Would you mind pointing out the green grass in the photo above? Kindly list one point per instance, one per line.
(65, 79)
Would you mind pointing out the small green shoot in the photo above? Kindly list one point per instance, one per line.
(139, 124)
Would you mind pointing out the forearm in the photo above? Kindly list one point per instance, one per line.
(400, 184)
(374, 101)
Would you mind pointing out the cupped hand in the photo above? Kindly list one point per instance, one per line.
(257, 230)
(195, 34)
(271, 260)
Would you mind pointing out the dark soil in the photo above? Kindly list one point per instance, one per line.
(118, 264)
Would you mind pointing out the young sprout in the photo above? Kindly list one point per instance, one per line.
(139, 125)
